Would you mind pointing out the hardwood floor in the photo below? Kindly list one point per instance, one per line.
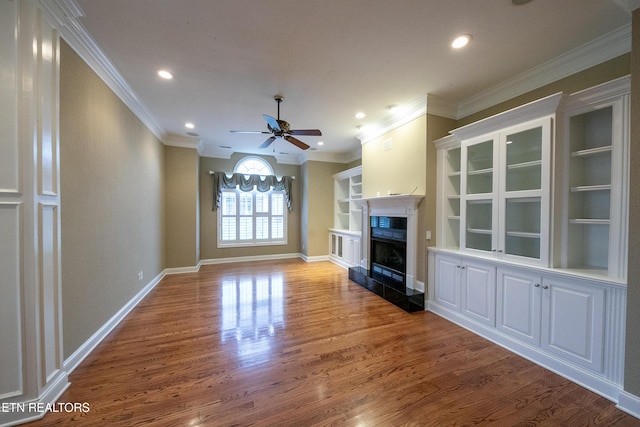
(288, 343)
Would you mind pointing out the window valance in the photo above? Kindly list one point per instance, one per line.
(247, 183)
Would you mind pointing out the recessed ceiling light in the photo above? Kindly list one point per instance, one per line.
(320, 143)
(360, 115)
(165, 74)
(461, 41)
(189, 125)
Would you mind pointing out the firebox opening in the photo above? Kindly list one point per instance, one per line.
(389, 249)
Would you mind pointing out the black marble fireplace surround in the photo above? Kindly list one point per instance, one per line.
(388, 266)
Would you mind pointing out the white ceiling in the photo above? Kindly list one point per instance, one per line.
(332, 58)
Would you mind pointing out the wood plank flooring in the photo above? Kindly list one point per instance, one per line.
(289, 343)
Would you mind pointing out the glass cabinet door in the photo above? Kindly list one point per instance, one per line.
(479, 194)
(480, 167)
(524, 158)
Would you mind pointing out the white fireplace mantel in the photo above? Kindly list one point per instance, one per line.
(403, 205)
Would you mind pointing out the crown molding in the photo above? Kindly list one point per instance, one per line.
(440, 107)
(346, 157)
(183, 142)
(66, 14)
(599, 50)
(414, 110)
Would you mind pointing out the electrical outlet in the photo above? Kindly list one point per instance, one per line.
(428, 234)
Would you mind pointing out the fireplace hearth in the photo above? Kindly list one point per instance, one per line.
(387, 273)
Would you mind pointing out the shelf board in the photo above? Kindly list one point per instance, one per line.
(454, 197)
(524, 165)
(454, 217)
(592, 151)
(478, 231)
(525, 234)
(454, 173)
(481, 172)
(601, 187)
(590, 221)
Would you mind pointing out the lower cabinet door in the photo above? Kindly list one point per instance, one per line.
(518, 305)
(573, 322)
(478, 292)
(448, 282)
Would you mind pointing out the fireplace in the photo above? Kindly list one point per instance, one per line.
(389, 249)
(388, 266)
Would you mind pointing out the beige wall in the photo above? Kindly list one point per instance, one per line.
(208, 217)
(182, 213)
(111, 202)
(632, 361)
(318, 206)
(399, 169)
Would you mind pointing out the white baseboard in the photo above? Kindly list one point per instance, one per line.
(629, 403)
(249, 258)
(72, 362)
(317, 258)
(180, 270)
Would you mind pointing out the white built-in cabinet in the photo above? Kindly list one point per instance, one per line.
(563, 317)
(532, 211)
(467, 286)
(345, 236)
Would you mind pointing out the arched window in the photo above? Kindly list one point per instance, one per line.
(253, 166)
(252, 218)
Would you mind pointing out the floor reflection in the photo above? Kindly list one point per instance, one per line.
(252, 313)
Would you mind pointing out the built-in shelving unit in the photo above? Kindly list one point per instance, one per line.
(344, 237)
(595, 177)
(555, 295)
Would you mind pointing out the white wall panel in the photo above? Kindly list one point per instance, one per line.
(49, 290)
(9, 146)
(48, 106)
(11, 383)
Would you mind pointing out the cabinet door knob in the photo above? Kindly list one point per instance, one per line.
(462, 268)
(537, 285)
(545, 287)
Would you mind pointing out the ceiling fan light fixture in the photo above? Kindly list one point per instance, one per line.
(360, 115)
(165, 74)
(189, 125)
(461, 41)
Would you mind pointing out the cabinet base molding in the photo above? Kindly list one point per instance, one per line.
(629, 403)
(579, 375)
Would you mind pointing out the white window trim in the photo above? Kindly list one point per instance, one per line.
(252, 242)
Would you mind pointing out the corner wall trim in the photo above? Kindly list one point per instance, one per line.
(72, 362)
(629, 403)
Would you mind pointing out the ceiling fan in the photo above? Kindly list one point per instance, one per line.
(281, 129)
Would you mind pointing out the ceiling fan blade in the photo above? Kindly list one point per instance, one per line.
(273, 123)
(249, 131)
(268, 142)
(315, 132)
(296, 142)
